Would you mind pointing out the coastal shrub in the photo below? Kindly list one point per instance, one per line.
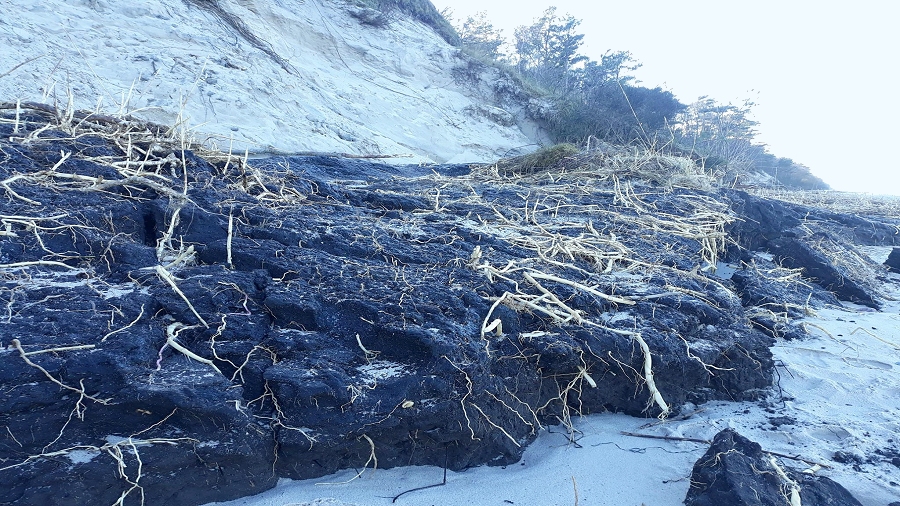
(724, 137)
(604, 164)
(479, 37)
(576, 99)
(613, 112)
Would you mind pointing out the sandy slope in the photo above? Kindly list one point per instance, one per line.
(839, 391)
(304, 76)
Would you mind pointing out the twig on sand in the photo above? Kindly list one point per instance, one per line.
(10, 71)
(667, 438)
(327, 154)
(442, 483)
(575, 487)
(707, 442)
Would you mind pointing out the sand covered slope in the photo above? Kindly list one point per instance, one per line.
(272, 75)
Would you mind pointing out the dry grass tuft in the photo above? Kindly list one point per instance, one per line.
(566, 161)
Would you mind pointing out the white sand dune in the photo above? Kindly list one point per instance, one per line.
(316, 80)
(839, 390)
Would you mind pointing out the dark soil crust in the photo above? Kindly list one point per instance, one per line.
(343, 307)
(736, 471)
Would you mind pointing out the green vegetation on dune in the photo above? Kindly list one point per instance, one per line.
(581, 99)
(724, 136)
(602, 100)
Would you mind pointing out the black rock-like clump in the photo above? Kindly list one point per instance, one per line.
(737, 472)
(893, 261)
(330, 308)
(816, 241)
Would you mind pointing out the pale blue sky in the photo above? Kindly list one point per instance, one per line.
(824, 74)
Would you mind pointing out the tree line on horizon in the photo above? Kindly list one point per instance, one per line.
(602, 99)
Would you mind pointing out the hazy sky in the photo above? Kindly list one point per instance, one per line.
(824, 74)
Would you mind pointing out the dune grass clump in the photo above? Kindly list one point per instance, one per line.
(557, 156)
(606, 164)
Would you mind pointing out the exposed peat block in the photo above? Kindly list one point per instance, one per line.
(893, 261)
(737, 472)
(335, 307)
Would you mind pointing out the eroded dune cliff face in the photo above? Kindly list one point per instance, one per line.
(265, 75)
